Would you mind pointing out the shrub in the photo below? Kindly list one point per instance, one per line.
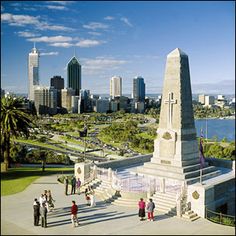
(228, 221)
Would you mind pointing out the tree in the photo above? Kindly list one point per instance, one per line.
(15, 121)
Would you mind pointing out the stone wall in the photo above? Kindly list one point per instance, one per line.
(125, 162)
(212, 196)
(221, 163)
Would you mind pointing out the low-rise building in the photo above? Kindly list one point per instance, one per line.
(102, 105)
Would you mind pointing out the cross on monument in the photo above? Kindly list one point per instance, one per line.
(170, 101)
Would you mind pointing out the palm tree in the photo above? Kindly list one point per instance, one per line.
(15, 121)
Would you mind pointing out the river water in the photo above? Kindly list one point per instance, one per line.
(222, 128)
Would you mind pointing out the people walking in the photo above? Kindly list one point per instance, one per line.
(50, 200)
(73, 185)
(74, 211)
(92, 197)
(78, 186)
(150, 210)
(142, 206)
(43, 213)
(87, 197)
(36, 207)
(66, 182)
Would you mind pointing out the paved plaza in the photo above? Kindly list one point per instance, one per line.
(104, 219)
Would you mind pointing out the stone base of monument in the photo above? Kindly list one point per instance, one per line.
(189, 173)
(213, 194)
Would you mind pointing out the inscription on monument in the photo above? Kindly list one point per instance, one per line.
(165, 162)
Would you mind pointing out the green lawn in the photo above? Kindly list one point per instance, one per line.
(40, 144)
(17, 179)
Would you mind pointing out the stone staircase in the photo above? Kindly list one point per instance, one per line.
(105, 192)
(165, 202)
(94, 183)
(128, 202)
(189, 172)
(190, 216)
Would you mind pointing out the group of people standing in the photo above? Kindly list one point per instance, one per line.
(75, 184)
(42, 207)
(150, 209)
(45, 204)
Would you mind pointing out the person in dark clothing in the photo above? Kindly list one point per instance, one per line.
(66, 182)
(43, 213)
(73, 185)
(36, 207)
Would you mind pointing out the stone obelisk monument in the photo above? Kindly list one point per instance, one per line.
(176, 147)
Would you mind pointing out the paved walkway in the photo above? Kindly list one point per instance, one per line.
(104, 219)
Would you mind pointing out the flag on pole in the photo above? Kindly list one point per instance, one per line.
(201, 154)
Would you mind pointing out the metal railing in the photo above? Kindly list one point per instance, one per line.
(133, 183)
(220, 218)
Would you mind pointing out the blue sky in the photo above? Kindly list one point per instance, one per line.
(119, 38)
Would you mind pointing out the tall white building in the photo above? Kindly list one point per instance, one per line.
(201, 98)
(209, 101)
(33, 71)
(116, 86)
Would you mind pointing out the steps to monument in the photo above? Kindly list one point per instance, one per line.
(126, 202)
(180, 170)
(105, 192)
(165, 202)
(191, 177)
(184, 163)
(190, 216)
(95, 183)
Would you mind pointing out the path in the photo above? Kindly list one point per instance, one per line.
(17, 217)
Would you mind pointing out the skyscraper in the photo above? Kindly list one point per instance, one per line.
(138, 89)
(116, 86)
(33, 71)
(58, 83)
(74, 75)
(45, 99)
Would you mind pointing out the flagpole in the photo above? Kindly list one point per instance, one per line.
(84, 148)
(201, 176)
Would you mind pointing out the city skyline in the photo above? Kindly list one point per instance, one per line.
(123, 39)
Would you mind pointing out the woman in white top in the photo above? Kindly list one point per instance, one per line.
(92, 197)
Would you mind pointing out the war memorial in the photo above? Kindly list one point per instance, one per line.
(184, 190)
(173, 176)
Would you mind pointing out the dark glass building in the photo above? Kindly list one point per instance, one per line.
(74, 75)
(58, 83)
(138, 89)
